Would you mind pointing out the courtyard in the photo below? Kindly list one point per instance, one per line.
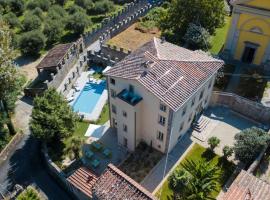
(224, 124)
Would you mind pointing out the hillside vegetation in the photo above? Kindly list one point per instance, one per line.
(37, 25)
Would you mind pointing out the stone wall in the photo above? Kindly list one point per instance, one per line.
(253, 110)
(114, 52)
(99, 57)
(4, 154)
(60, 176)
(117, 23)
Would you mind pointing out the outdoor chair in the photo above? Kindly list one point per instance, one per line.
(89, 154)
(97, 146)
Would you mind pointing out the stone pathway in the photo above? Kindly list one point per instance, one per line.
(158, 173)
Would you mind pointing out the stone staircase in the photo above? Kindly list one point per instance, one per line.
(199, 127)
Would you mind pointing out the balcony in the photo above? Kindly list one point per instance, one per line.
(129, 97)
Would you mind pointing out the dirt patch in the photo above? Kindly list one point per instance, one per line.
(132, 38)
(28, 67)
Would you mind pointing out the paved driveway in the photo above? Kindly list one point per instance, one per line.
(25, 166)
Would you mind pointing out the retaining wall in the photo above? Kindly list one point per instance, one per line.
(114, 52)
(253, 110)
(10, 146)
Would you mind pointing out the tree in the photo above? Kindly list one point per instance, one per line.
(207, 13)
(52, 117)
(101, 7)
(78, 22)
(31, 22)
(43, 4)
(75, 147)
(61, 2)
(249, 143)
(197, 180)
(30, 43)
(86, 4)
(11, 81)
(197, 37)
(213, 142)
(16, 6)
(227, 151)
(53, 31)
(11, 19)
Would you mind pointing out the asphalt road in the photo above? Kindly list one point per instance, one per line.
(25, 165)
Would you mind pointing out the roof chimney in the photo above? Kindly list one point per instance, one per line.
(163, 39)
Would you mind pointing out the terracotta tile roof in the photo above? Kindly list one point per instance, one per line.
(113, 184)
(54, 56)
(84, 180)
(170, 72)
(248, 187)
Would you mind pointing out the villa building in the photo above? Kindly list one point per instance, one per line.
(157, 91)
(248, 39)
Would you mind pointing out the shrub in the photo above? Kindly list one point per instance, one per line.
(57, 12)
(31, 22)
(11, 19)
(101, 7)
(29, 194)
(30, 43)
(53, 30)
(43, 4)
(249, 143)
(227, 151)
(213, 142)
(78, 22)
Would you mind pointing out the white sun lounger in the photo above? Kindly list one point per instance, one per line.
(70, 99)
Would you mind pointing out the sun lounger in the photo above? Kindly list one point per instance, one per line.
(97, 146)
(77, 89)
(70, 99)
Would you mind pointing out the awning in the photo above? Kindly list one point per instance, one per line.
(95, 131)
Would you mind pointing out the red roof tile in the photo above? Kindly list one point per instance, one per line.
(113, 184)
(84, 180)
(248, 187)
(170, 72)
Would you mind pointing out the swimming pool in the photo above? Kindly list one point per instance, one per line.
(89, 97)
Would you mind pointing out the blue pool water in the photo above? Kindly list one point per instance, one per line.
(89, 97)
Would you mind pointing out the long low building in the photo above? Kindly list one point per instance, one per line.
(157, 91)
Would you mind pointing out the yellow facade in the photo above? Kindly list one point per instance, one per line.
(249, 36)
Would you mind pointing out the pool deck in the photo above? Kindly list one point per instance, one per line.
(82, 80)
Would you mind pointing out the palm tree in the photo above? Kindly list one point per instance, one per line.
(203, 179)
(74, 148)
(213, 142)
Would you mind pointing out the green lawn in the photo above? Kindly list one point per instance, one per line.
(104, 116)
(220, 37)
(198, 153)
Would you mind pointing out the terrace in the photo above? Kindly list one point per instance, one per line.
(129, 97)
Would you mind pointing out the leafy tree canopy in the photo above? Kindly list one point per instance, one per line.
(53, 31)
(32, 42)
(195, 181)
(206, 13)
(43, 4)
(10, 80)
(78, 22)
(11, 19)
(31, 22)
(52, 117)
(249, 143)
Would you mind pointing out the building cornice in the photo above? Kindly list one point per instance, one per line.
(252, 10)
